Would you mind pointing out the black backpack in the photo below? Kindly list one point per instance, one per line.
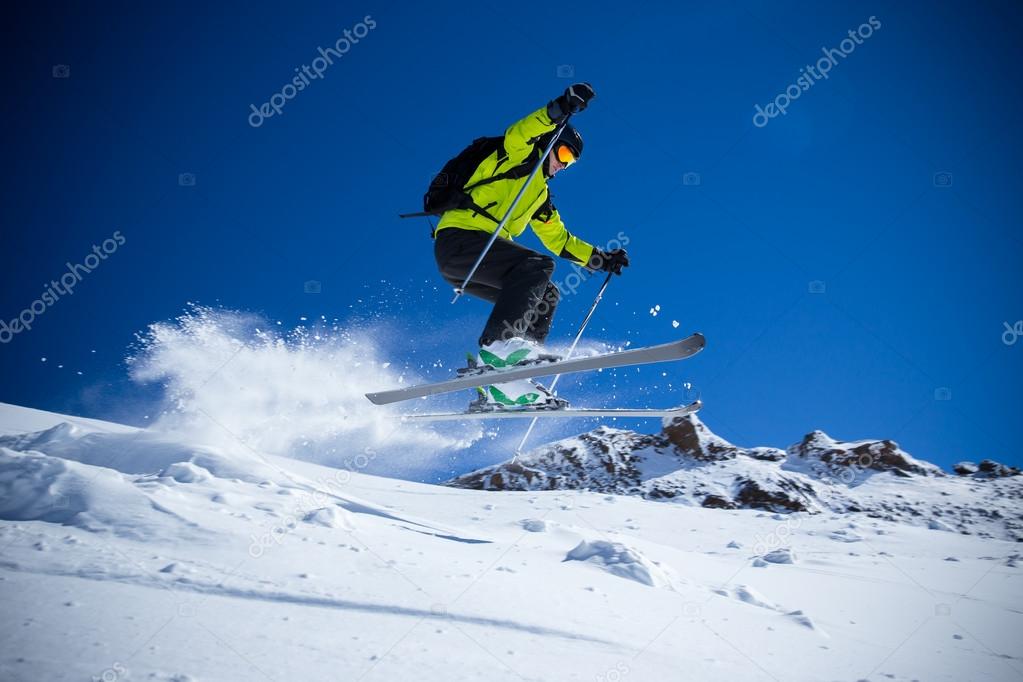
(448, 191)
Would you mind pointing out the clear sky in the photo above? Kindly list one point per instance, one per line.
(853, 261)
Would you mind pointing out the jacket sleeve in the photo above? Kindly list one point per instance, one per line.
(548, 226)
(518, 134)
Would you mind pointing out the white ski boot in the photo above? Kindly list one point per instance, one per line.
(508, 353)
(523, 394)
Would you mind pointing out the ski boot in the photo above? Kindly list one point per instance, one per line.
(507, 354)
(524, 394)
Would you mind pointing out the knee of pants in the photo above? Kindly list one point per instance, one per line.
(537, 265)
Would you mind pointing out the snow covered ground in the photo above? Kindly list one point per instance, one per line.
(133, 555)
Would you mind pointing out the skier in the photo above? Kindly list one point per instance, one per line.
(516, 279)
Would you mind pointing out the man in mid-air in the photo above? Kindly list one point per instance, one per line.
(516, 279)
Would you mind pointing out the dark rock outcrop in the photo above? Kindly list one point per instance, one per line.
(987, 469)
(686, 463)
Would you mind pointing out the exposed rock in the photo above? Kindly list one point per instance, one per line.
(687, 463)
(875, 455)
(717, 502)
(752, 496)
(690, 437)
(992, 469)
(987, 469)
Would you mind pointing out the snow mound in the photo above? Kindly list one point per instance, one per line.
(748, 595)
(15, 419)
(782, 555)
(803, 619)
(331, 517)
(186, 472)
(142, 452)
(534, 525)
(620, 560)
(37, 487)
(843, 535)
(63, 432)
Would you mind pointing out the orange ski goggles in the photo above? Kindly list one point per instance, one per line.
(565, 154)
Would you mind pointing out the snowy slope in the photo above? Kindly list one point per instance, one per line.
(129, 555)
(687, 463)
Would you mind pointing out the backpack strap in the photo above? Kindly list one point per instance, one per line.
(520, 171)
(514, 173)
(469, 204)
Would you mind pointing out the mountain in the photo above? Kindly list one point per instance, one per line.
(141, 554)
(687, 463)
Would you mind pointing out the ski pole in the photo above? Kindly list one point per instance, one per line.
(579, 334)
(507, 214)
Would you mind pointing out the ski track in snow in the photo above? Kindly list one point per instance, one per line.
(171, 558)
(218, 589)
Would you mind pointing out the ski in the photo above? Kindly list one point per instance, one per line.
(676, 350)
(566, 412)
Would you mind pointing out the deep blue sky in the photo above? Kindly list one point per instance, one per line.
(918, 278)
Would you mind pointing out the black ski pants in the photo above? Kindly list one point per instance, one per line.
(515, 279)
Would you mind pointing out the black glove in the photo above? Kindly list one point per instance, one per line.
(572, 101)
(609, 261)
